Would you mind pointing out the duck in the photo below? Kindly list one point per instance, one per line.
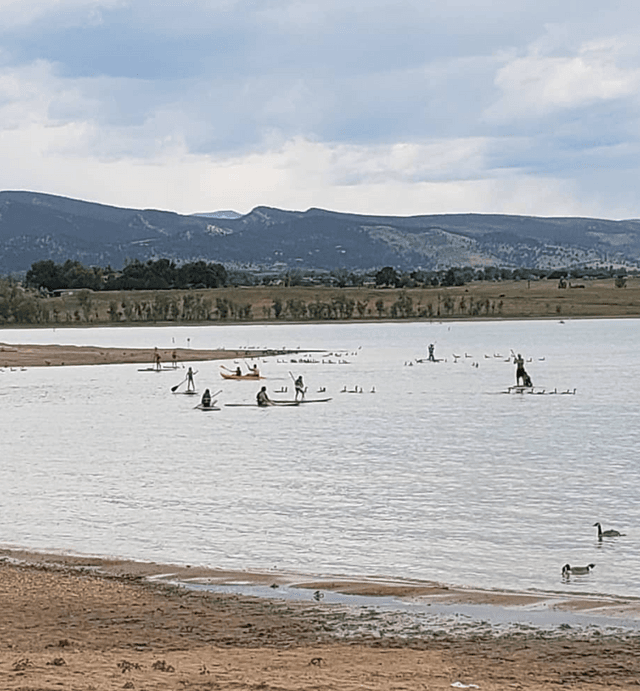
(567, 570)
(606, 533)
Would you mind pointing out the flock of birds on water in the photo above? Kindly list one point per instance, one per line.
(568, 570)
(498, 356)
(344, 358)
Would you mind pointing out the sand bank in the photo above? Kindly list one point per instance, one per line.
(81, 623)
(14, 355)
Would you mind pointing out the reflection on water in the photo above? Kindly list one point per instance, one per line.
(437, 475)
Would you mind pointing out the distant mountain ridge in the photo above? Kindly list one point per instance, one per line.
(36, 226)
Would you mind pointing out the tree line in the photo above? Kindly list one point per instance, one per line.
(164, 274)
(161, 274)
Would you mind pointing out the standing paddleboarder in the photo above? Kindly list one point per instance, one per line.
(191, 385)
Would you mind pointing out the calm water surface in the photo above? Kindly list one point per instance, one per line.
(435, 475)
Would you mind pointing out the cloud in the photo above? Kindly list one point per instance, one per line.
(17, 14)
(393, 107)
(537, 85)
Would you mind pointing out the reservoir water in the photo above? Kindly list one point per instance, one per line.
(429, 471)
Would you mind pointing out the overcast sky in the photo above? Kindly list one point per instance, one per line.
(396, 107)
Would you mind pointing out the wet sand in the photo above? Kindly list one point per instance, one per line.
(81, 623)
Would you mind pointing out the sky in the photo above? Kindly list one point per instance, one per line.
(399, 107)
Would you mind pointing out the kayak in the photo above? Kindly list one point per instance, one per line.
(252, 377)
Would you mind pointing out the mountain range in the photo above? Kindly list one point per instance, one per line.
(36, 226)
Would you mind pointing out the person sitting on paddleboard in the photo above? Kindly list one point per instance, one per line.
(262, 397)
(299, 383)
(206, 399)
(191, 385)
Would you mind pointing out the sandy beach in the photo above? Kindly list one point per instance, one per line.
(91, 624)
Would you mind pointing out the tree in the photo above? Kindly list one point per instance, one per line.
(45, 274)
(387, 276)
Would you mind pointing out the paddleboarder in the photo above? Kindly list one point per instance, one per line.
(206, 399)
(191, 385)
(431, 355)
(263, 398)
(521, 373)
(299, 384)
(157, 358)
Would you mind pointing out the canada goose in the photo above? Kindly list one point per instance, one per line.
(606, 533)
(567, 570)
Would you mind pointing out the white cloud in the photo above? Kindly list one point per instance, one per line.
(20, 13)
(537, 85)
(300, 175)
(375, 107)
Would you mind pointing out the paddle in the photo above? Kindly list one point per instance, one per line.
(177, 386)
(213, 402)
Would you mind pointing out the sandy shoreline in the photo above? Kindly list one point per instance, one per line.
(82, 623)
(16, 355)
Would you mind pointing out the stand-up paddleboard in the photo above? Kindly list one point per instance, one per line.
(275, 404)
(185, 393)
(206, 408)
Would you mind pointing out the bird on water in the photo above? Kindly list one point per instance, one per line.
(568, 570)
(606, 533)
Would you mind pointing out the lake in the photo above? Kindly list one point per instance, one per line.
(429, 471)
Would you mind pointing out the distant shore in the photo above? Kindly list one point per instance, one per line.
(15, 355)
(236, 305)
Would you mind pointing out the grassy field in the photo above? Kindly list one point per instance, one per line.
(503, 300)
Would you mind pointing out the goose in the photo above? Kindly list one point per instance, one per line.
(567, 570)
(606, 533)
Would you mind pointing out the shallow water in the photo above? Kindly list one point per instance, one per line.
(437, 475)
